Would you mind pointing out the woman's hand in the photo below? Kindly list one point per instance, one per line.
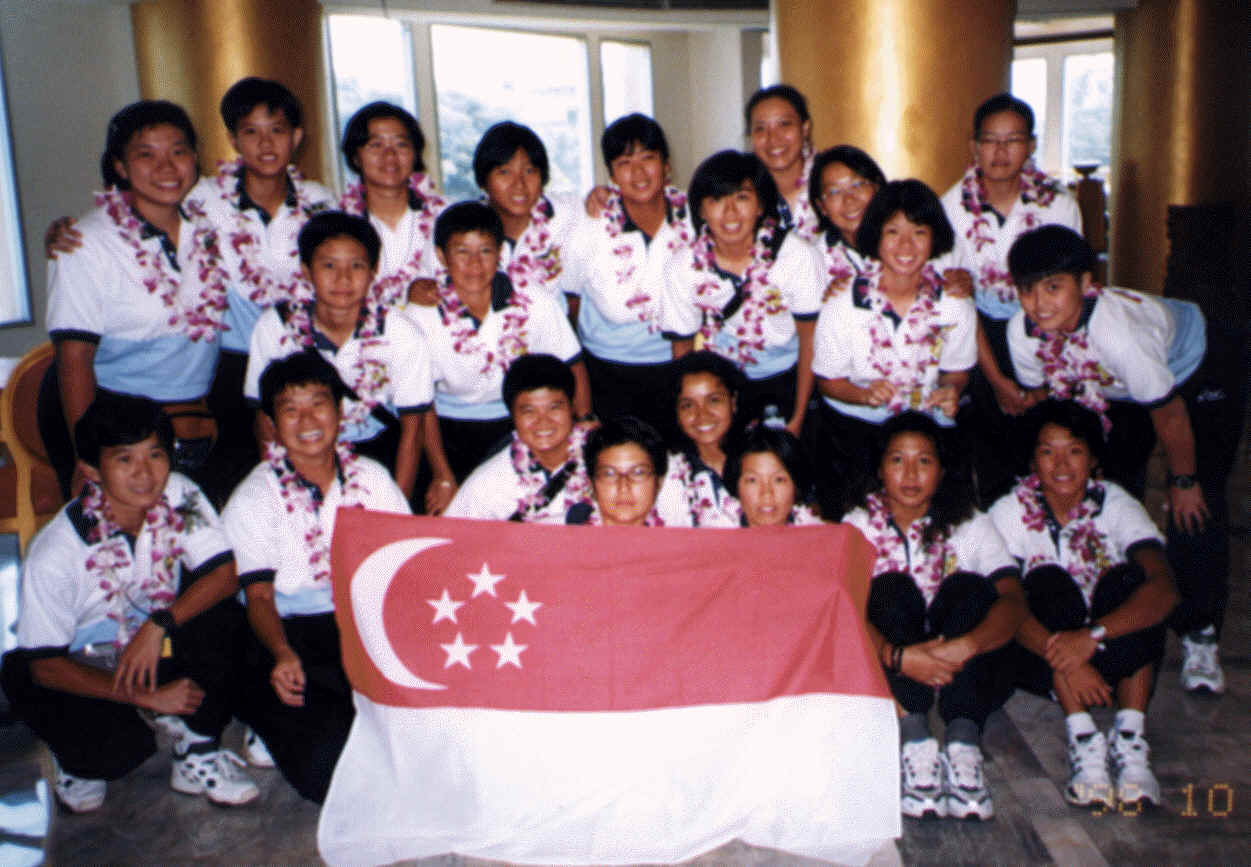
(1067, 650)
(1013, 399)
(137, 667)
(1188, 508)
(956, 651)
(287, 679)
(597, 200)
(439, 494)
(423, 292)
(879, 393)
(180, 698)
(945, 399)
(61, 237)
(958, 283)
(920, 663)
(1088, 686)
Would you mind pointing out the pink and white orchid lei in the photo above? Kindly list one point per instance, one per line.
(761, 298)
(298, 499)
(904, 551)
(198, 315)
(391, 289)
(535, 259)
(532, 479)
(1090, 558)
(1072, 371)
(804, 218)
(908, 371)
(160, 587)
(614, 219)
(701, 498)
(465, 341)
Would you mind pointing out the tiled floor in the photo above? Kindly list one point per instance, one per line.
(1201, 752)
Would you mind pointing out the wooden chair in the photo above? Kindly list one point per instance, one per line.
(29, 493)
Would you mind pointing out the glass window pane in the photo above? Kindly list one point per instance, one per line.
(1088, 109)
(626, 71)
(483, 76)
(1029, 82)
(14, 297)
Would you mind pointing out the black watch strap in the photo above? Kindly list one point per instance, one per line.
(164, 619)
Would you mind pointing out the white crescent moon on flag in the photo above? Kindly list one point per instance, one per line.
(369, 586)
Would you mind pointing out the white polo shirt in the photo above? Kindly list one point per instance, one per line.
(1143, 346)
(1120, 522)
(494, 492)
(793, 289)
(982, 243)
(691, 495)
(63, 604)
(466, 385)
(844, 345)
(97, 294)
(391, 368)
(408, 251)
(261, 253)
(269, 541)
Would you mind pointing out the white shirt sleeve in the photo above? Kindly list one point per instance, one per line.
(679, 314)
(831, 353)
(50, 576)
(550, 331)
(960, 346)
(265, 346)
(1022, 348)
(1130, 334)
(410, 365)
(802, 276)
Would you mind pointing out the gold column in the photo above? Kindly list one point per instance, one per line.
(1181, 127)
(191, 51)
(898, 78)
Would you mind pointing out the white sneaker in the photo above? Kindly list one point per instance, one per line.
(1201, 662)
(78, 794)
(214, 774)
(964, 787)
(921, 780)
(1089, 782)
(255, 751)
(1131, 763)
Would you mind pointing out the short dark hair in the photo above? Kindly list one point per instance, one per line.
(777, 91)
(300, 368)
(323, 226)
(918, 203)
(120, 420)
(953, 500)
(709, 362)
(1082, 423)
(632, 131)
(533, 371)
(782, 444)
(1003, 102)
(1047, 250)
(247, 93)
(132, 120)
(856, 160)
(500, 143)
(723, 173)
(467, 216)
(621, 431)
(356, 133)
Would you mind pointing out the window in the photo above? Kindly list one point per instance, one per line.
(626, 74)
(14, 294)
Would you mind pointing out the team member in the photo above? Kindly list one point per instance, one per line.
(627, 459)
(1098, 587)
(780, 131)
(749, 289)
(125, 605)
(380, 354)
(771, 477)
(540, 474)
(844, 180)
(280, 521)
(1137, 361)
(617, 263)
(945, 599)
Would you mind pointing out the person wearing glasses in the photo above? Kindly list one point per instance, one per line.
(627, 460)
(1001, 195)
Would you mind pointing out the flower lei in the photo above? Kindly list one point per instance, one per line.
(1090, 557)
(297, 497)
(200, 317)
(368, 378)
(393, 288)
(903, 551)
(614, 218)
(105, 562)
(701, 503)
(1072, 371)
(456, 318)
(265, 287)
(803, 516)
(1038, 191)
(841, 268)
(919, 328)
(803, 218)
(761, 298)
(530, 473)
(534, 258)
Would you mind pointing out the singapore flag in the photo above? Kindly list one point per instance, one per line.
(542, 694)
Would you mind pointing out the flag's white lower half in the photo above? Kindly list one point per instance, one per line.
(816, 774)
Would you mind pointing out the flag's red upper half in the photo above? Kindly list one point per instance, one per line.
(436, 612)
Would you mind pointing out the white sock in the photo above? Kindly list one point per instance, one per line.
(1078, 724)
(1128, 720)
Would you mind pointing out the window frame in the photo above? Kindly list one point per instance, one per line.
(17, 284)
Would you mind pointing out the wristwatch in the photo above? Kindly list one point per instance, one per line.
(1098, 633)
(1183, 482)
(164, 619)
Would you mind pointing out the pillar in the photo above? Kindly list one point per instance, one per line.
(900, 79)
(191, 51)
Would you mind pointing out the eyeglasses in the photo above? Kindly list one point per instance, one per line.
(635, 475)
(1011, 141)
(835, 193)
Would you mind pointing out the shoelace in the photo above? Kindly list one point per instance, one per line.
(922, 766)
(228, 762)
(965, 768)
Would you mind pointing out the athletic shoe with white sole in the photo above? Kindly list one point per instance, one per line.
(78, 794)
(214, 773)
(1089, 782)
(964, 786)
(921, 780)
(1131, 764)
(1201, 662)
(255, 751)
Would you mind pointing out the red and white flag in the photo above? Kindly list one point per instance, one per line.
(543, 694)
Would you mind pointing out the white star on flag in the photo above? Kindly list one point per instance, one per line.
(523, 608)
(509, 653)
(444, 607)
(458, 652)
(484, 581)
